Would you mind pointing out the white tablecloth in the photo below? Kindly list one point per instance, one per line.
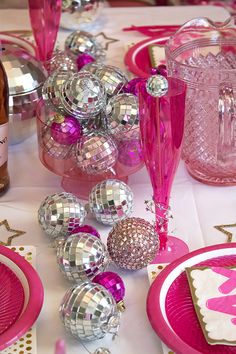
(196, 207)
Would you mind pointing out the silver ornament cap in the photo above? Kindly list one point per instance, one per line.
(60, 213)
(83, 95)
(111, 201)
(81, 257)
(112, 78)
(123, 115)
(88, 311)
(157, 86)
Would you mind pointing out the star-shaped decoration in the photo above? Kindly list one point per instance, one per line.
(229, 234)
(106, 40)
(14, 233)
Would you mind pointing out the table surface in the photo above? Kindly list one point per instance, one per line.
(196, 207)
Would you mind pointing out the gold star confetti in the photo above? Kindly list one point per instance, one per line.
(106, 40)
(15, 233)
(229, 234)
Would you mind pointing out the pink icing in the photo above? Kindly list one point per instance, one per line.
(225, 304)
(230, 284)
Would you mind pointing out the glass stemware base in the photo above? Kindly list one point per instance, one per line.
(174, 248)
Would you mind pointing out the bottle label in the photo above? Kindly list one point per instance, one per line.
(3, 143)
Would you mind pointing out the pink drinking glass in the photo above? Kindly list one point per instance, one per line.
(162, 127)
(45, 19)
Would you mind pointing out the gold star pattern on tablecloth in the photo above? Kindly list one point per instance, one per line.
(229, 234)
(106, 40)
(14, 233)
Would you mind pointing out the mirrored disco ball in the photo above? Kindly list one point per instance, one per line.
(123, 115)
(80, 42)
(79, 13)
(91, 68)
(54, 148)
(111, 201)
(62, 60)
(83, 95)
(130, 152)
(60, 213)
(88, 311)
(96, 153)
(51, 91)
(82, 256)
(112, 78)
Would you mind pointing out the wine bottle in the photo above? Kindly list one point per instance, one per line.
(4, 175)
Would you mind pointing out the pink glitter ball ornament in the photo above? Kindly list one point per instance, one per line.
(65, 130)
(114, 284)
(84, 59)
(86, 229)
(130, 152)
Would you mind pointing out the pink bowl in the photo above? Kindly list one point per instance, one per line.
(22, 294)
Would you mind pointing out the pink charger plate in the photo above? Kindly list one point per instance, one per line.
(21, 296)
(169, 303)
(137, 57)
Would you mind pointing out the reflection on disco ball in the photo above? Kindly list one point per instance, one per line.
(78, 13)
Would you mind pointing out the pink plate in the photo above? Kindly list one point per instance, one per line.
(169, 303)
(137, 57)
(21, 296)
(18, 41)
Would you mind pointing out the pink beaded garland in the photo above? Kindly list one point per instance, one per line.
(66, 132)
(132, 86)
(113, 283)
(87, 229)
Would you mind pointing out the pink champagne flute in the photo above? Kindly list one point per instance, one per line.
(162, 127)
(45, 19)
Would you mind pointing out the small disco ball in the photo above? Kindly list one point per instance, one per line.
(133, 243)
(130, 152)
(157, 86)
(60, 213)
(112, 78)
(80, 42)
(83, 96)
(88, 312)
(111, 201)
(91, 68)
(82, 256)
(62, 60)
(123, 115)
(96, 153)
(53, 147)
(51, 91)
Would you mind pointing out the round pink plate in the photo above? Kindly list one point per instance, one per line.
(21, 296)
(18, 41)
(169, 304)
(137, 57)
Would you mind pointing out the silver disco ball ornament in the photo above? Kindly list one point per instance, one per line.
(81, 257)
(54, 148)
(88, 311)
(123, 115)
(157, 86)
(80, 42)
(79, 13)
(83, 95)
(60, 213)
(111, 201)
(62, 60)
(91, 68)
(112, 78)
(133, 243)
(51, 91)
(96, 153)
